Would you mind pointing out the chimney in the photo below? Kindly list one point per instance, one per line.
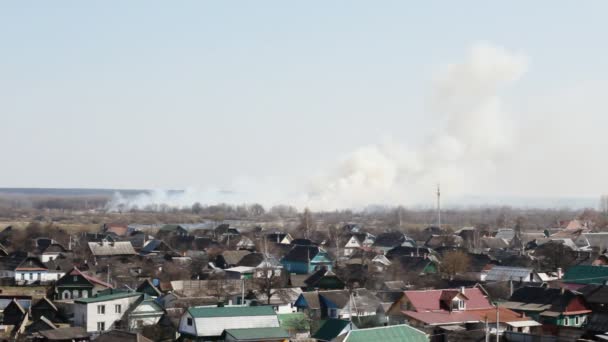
(462, 289)
(560, 273)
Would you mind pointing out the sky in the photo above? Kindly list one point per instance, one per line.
(327, 104)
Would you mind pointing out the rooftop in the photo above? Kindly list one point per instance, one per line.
(231, 311)
(107, 297)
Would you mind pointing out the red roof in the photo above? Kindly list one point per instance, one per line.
(118, 229)
(76, 271)
(429, 300)
(459, 317)
(442, 317)
(505, 315)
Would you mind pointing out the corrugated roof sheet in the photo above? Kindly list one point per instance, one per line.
(111, 248)
(393, 333)
(500, 273)
(429, 300)
(586, 274)
(257, 333)
(107, 297)
(232, 311)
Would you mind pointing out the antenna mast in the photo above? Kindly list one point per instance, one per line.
(438, 206)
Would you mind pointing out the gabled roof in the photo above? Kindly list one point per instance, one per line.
(257, 334)
(429, 300)
(301, 253)
(389, 239)
(393, 333)
(232, 311)
(111, 248)
(107, 297)
(234, 257)
(586, 274)
(68, 333)
(55, 248)
(91, 279)
(31, 263)
(121, 336)
(531, 298)
(330, 329)
(501, 273)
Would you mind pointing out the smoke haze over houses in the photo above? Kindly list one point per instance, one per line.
(371, 105)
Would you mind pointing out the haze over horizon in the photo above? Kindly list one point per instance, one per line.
(337, 105)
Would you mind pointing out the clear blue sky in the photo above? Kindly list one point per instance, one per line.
(151, 94)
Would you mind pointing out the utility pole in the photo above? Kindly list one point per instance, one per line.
(438, 206)
(497, 323)
(487, 330)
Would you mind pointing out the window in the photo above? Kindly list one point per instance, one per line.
(566, 321)
(101, 326)
(117, 308)
(22, 276)
(457, 304)
(31, 276)
(189, 321)
(576, 320)
(101, 309)
(75, 278)
(333, 313)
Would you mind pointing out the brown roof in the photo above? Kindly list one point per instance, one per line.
(121, 336)
(68, 333)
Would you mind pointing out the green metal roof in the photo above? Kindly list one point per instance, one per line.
(232, 311)
(257, 333)
(394, 333)
(586, 274)
(330, 329)
(103, 298)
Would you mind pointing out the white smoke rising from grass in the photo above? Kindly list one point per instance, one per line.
(474, 133)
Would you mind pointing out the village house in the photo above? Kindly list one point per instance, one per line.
(447, 309)
(102, 312)
(306, 259)
(76, 284)
(340, 304)
(552, 307)
(354, 241)
(33, 271)
(52, 252)
(208, 323)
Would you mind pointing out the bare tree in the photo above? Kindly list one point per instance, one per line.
(604, 204)
(268, 279)
(306, 223)
(454, 262)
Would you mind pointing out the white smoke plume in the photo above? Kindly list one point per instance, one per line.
(474, 132)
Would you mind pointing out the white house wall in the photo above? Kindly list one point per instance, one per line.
(214, 326)
(86, 316)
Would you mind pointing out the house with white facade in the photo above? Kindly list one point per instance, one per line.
(33, 271)
(208, 323)
(146, 312)
(103, 312)
(356, 241)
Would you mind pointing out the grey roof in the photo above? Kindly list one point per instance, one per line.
(599, 240)
(500, 273)
(111, 248)
(505, 233)
(234, 257)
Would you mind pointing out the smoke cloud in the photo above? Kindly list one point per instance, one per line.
(473, 133)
